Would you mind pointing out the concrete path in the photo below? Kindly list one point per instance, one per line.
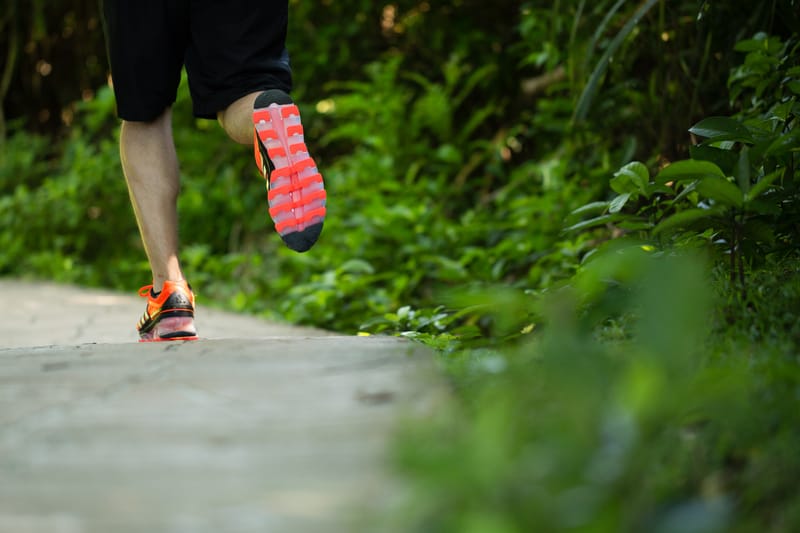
(49, 313)
(276, 430)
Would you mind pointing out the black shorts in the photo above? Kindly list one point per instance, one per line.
(230, 48)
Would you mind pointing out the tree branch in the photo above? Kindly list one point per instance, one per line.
(533, 86)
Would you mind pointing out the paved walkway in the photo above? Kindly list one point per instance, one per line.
(48, 313)
(272, 429)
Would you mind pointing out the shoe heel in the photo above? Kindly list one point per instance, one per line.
(175, 328)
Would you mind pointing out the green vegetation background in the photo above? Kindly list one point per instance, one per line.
(590, 209)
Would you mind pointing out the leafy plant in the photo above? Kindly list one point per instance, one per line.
(740, 187)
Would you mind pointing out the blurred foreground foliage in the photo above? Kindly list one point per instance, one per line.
(588, 208)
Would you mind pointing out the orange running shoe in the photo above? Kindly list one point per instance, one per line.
(296, 192)
(169, 315)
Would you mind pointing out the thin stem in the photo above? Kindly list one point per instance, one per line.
(11, 61)
(733, 251)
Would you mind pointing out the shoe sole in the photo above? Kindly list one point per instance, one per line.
(171, 339)
(296, 192)
(171, 329)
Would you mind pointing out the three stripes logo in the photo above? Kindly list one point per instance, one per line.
(178, 299)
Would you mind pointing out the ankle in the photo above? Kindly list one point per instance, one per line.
(158, 284)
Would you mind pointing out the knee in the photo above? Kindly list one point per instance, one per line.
(237, 119)
(227, 121)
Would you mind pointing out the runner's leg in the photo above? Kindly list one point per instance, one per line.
(147, 42)
(150, 165)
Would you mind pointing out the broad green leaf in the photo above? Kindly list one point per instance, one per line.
(752, 45)
(762, 185)
(684, 219)
(725, 159)
(621, 183)
(721, 190)
(742, 171)
(788, 142)
(721, 129)
(619, 202)
(636, 173)
(760, 66)
(781, 111)
(688, 169)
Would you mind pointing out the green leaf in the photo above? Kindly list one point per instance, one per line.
(689, 189)
(476, 119)
(448, 153)
(357, 266)
(593, 222)
(619, 202)
(762, 185)
(742, 171)
(600, 31)
(781, 111)
(725, 159)
(685, 218)
(478, 76)
(590, 208)
(660, 189)
(688, 169)
(585, 100)
(751, 45)
(758, 150)
(721, 190)
(721, 129)
(634, 173)
(785, 143)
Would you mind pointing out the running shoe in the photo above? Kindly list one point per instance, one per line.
(296, 193)
(169, 315)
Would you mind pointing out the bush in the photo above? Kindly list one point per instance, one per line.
(682, 423)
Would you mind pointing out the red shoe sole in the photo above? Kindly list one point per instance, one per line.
(296, 190)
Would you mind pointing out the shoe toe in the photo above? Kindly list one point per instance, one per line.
(302, 241)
